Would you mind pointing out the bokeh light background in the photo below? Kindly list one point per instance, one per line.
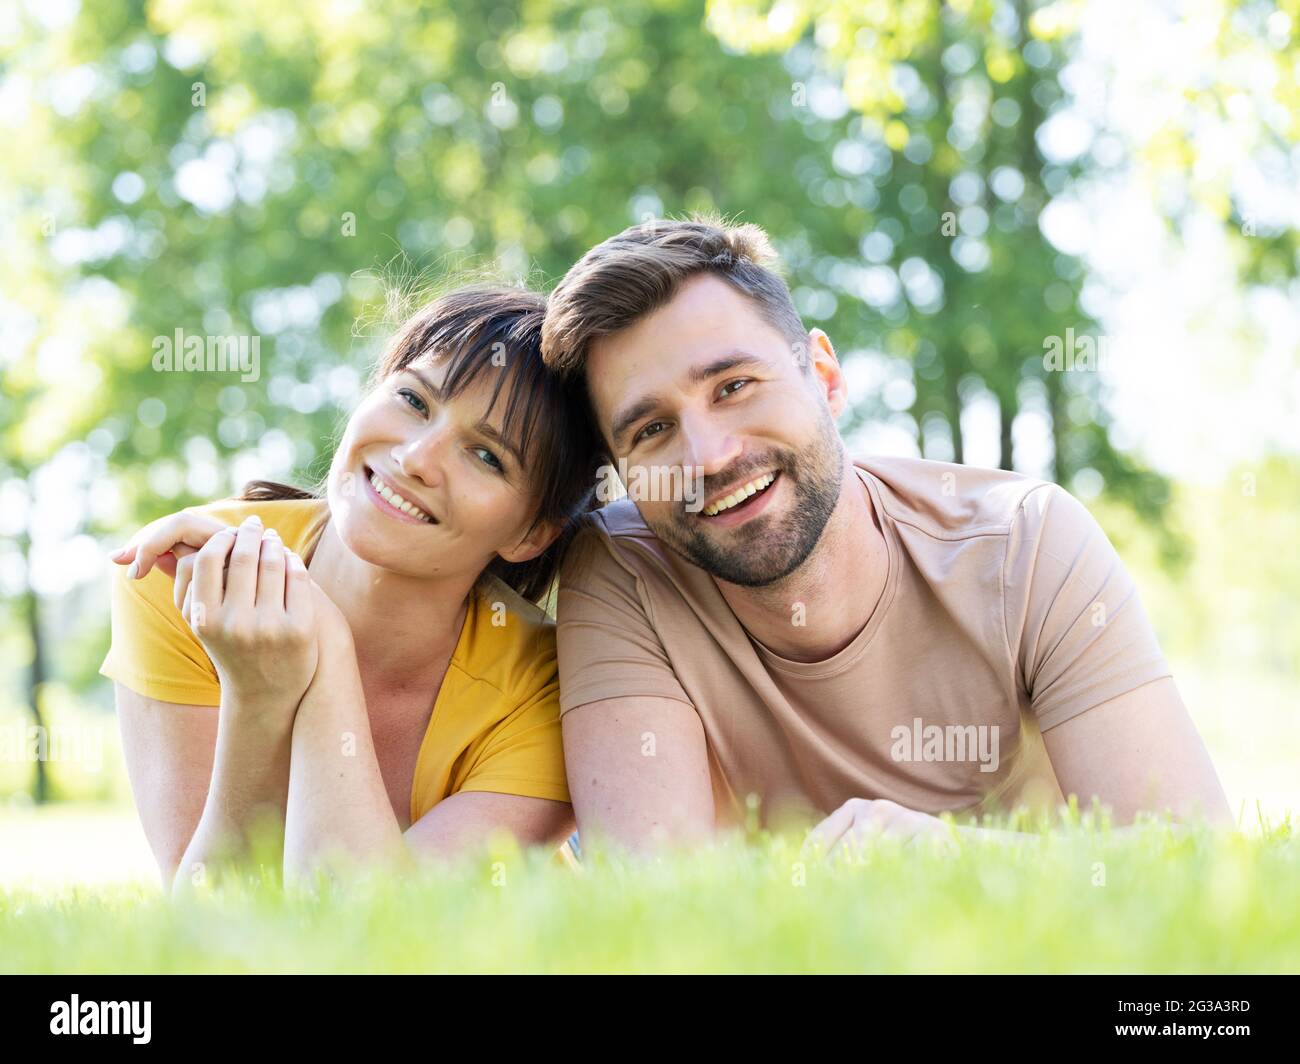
(950, 186)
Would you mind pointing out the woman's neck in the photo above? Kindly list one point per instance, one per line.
(404, 628)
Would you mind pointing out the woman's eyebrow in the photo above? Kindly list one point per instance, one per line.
(434, 390)
(490, 431)
(484, 426)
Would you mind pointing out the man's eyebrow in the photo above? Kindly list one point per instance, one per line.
(632, 414)
(697, 375)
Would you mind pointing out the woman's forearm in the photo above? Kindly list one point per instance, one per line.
(338, 805)
(248, 791)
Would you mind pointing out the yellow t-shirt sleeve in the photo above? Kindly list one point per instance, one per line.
(524, 753)
(153, 650)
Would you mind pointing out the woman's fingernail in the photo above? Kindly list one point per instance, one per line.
(118, 553)
(133, 571)
(271, 532)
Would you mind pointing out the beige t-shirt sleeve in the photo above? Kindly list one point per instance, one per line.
(1075, 624)
(606, 643)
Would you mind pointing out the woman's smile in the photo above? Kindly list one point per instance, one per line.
(390, 501)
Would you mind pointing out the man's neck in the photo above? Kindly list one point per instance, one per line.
(820, 608)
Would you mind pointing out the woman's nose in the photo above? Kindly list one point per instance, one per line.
(422, 456)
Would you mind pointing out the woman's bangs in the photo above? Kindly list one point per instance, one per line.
(513, 366)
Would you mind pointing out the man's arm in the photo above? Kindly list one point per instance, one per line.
(1139, 752)
(638, 772)
(634, 747)
(1091, 666)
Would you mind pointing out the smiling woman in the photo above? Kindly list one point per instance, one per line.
(382, 634)
(479, 345)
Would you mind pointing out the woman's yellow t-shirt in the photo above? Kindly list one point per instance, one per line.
(496, 720)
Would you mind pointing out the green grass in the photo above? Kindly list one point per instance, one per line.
(1170, 901)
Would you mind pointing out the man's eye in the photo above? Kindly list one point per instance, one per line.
(413, 400)
(734, 385)
(648, 431)
(489, 459)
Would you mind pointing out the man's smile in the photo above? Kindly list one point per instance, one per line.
(742, 502)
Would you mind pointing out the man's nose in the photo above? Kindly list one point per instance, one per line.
(710, 443)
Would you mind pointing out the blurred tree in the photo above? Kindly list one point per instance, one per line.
(243, 173)
(956, 98)
(953, 98)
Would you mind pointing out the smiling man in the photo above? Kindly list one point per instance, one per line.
(858, 642)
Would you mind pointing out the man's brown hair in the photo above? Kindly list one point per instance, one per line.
(628, 276)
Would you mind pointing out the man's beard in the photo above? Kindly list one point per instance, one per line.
(765, 549)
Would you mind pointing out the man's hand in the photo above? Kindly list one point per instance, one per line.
(165, 541)
(860, 819)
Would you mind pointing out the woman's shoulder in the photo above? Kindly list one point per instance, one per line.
(510, 642)
(294, 519)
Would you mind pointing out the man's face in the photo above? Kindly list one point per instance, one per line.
(705, 384)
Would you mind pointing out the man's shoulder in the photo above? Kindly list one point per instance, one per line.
(618, 520)
(613, 544)
(948, 501)
(617, 529)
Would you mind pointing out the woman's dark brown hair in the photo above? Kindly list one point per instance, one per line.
(495, 331)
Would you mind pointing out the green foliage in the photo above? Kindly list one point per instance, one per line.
(246, 165)
(1230, 604)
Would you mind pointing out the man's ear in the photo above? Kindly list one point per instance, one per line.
(826, 371)
(541, 536)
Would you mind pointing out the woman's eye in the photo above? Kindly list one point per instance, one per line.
(489, 459)
(734, 385)
(652, 429)
(412, 400)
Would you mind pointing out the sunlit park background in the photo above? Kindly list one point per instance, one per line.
(1059, 238)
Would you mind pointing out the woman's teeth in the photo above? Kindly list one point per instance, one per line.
(739, 495)
(393, 499)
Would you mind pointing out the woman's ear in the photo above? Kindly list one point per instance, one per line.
(541, 536)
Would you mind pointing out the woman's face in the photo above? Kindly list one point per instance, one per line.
(428, 486)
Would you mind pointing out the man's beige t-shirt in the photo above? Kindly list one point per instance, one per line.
(1005, 612)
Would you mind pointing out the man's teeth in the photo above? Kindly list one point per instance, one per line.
(393, 499)
(739, 495)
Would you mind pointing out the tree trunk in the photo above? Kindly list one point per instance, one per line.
(1007, 411)
(36, 675)
(1056, 409)
(951, 375)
